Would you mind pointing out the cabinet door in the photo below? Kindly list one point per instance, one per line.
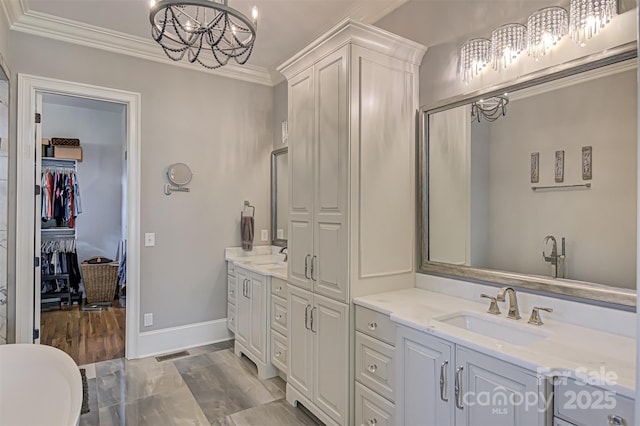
(258, 318)
(331, 184)
(300, 343)
(243, 308)
(494, 392)
(424, 391)
(301, 141)
(330, 322)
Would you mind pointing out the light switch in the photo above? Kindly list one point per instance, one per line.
(148, 319)
(264, 235)
(149, 239)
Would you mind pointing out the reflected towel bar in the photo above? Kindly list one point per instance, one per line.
(583, 185)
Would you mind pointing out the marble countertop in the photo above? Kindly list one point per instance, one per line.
(565, 350)
(263, 260)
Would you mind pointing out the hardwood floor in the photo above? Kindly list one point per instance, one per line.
(87, 337)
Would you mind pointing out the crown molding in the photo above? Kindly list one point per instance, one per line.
(74, 32)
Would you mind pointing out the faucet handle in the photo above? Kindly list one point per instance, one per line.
(535, 315)
(493, 308)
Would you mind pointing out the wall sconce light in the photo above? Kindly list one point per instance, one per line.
(475, 54)
(588, 17)
(545, 28)
(507, 42)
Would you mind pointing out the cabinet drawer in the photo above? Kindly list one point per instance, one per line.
(590, 405)
(231, 269)
(231, 289)
(279, 315)
(375, 366)
(279, 287)
(372, 409)
(231, 317)
(279, 351)
(375, 325)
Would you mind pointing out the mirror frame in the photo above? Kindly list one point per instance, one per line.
(274, 197)
(588, 292)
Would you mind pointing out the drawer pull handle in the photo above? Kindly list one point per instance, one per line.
(278, 354)
(444, 382)
(278, 317)
(458, 388)
(278, 289)
(372, 422)
(616, 420)
(372, 325)
(372, 368)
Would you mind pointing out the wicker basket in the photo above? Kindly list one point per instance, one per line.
(100, 281)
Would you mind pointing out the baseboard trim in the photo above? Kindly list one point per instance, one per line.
(183, 337)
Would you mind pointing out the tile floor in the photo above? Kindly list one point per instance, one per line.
(211, 386)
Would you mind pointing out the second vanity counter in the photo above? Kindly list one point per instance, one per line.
(562, 349)
(263, 260)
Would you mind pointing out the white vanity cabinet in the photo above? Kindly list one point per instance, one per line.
(318, 352)
(580, 404)
(252, 319)
(231, 297)
(278, 333)
(375, 371)
(440, 382)
(352, 98)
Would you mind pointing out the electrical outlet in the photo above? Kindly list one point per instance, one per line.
(264, 235)
(148, 319)
(149, 239)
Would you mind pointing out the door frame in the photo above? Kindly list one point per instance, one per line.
(28, 86)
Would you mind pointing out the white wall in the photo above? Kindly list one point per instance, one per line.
(100, 129)
(221, 128)
(599, 223)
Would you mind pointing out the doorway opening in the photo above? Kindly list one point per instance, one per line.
(81, 218)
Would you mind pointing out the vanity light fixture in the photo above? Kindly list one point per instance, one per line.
(507, 42)
(545, 28)
(475, 54)
(588, 17)
(208, 32)
(490, 109)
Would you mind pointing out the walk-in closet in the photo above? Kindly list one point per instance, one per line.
(81, 223)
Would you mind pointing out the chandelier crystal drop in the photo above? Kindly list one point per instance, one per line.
(507, 42)
(207, 32)
(475, 54)
(545, 28)
(588, 17)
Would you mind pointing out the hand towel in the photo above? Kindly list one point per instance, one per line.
(246, 232)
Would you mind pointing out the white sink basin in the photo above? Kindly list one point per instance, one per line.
(497, 328)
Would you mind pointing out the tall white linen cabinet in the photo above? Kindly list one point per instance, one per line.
(353, 97)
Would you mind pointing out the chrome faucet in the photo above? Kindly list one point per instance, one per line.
(284, 251)
(514, 312)
(557, 260)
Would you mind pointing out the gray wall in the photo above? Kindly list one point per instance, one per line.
(221, 128)
(280, 112)
(99, 228)
(6, 308)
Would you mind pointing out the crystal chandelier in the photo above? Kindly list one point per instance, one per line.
(507, 41)
(545, 28)
(475, 54)
(490, 109)
(208, 32)
(588, 17)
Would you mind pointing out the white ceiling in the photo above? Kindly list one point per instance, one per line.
(284, 26)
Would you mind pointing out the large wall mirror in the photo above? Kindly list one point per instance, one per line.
(545, 196)
(279, 196)
(4, 167)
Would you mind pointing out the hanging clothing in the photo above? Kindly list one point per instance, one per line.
(60, 196)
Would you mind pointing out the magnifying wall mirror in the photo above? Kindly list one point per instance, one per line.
(179, 175)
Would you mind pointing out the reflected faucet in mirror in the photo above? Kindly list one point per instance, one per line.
(284, 251)
(557, 260)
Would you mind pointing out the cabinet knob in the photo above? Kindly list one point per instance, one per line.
(373, 421)
(615, 420)
(372, 325)
(278, 317)
(278, 354)
(372, 368)
(278, 289)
